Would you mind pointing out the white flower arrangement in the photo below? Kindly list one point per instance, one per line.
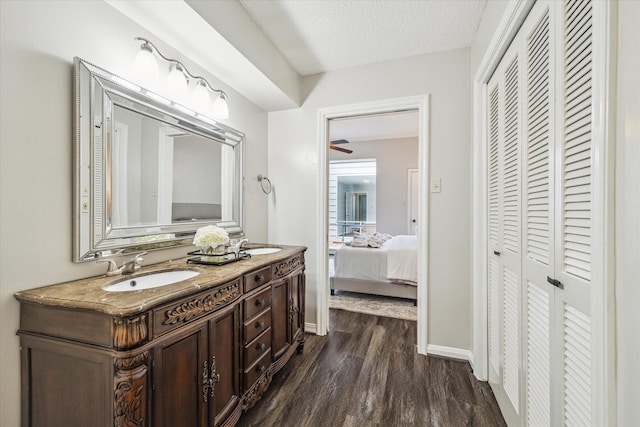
(210, 237)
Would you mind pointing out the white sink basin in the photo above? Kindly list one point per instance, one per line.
(262, 251)
(149, 281)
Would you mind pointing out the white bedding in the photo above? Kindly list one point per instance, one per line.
(395, 260)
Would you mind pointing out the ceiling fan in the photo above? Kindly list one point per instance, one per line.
(334, 145)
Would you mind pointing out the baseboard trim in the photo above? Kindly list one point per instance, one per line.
(451, 352)
(310, 328)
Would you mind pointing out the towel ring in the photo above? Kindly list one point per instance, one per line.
(262, 179)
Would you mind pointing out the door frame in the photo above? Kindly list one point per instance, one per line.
(420, 103)
(410, 227)
(602, 290)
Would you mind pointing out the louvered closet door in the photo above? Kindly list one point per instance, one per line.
(494, 183)
(505, 258)
(537, 209)
(573, 214)
(540, 203)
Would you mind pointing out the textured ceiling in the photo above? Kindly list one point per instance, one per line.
(317, 36)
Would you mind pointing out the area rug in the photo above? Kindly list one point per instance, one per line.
(373, 304)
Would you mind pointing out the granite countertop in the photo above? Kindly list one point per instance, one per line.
(89, 294)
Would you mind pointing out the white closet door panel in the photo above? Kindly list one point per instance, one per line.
(511, 159)
(537, 200)
(510, 107)
(511, 334)
(538, 356)
(495, 230)
(576, 367)
(495, 206)
(575, 198)
(538, 113)
(494, 315)
(574, 220)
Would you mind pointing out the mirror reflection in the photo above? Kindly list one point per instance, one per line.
(162, 175)
(352, 196)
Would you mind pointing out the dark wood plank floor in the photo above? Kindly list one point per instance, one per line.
(366, 372)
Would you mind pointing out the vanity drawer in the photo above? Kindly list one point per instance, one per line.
(186, 310)
(257, 303)
(256, 370)
(257, 348)
(256, 278)
(257, 325)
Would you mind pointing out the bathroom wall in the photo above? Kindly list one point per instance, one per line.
(293, 151)
(38, 43)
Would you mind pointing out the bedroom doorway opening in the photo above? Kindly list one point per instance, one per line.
(419, 104)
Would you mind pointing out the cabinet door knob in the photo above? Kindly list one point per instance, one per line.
(261, 368)
(496, 253)
(260, 325)
(261, 303)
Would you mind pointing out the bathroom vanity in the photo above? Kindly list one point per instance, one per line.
(194, 353)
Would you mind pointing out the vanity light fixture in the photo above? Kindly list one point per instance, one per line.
(178, 81)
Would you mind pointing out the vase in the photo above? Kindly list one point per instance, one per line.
(218, 250)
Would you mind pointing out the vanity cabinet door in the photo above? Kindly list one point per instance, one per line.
(224, 371)
(280, 331)
(180, 362)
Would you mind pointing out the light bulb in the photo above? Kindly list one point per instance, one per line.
(201, 96)
(177, 83)
(220, 109)
(145, 65)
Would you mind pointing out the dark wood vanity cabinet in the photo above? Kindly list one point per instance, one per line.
(198, 360)
(195, 373)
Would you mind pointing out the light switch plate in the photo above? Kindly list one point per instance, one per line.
(436, 185)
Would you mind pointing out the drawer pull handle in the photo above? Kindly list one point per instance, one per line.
(261, 346)
(261, 303)
(261, 368)
(259, 278)
(496, 253)
(260, 325)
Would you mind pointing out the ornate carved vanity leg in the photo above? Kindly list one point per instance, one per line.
(131, 388)
(257, 390)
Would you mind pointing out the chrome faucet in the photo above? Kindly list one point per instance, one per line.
(129, 267)
(237, 246)
(134, 264)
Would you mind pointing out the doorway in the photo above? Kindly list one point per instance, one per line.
(421, 105)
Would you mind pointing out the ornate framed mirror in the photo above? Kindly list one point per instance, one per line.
(148, 172)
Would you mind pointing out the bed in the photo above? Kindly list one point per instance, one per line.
(389, 270)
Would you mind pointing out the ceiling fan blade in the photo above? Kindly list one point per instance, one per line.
(339, 141)
(344, 150)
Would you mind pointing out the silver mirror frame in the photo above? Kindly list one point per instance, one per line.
(96, 93)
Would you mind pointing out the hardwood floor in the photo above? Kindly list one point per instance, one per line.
(366, 372)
